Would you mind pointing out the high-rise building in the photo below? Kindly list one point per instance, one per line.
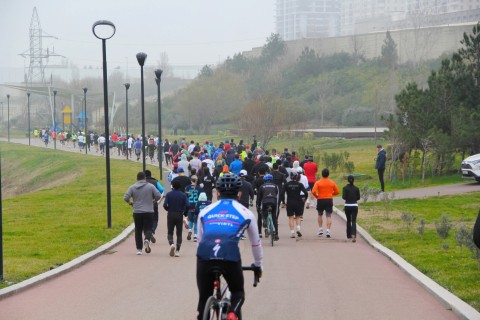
(305, 19)
(365, 16)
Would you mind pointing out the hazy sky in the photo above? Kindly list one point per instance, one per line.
(193, 32)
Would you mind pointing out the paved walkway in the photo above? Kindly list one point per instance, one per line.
(314, 278)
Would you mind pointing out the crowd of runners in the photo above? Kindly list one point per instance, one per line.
(270, 179)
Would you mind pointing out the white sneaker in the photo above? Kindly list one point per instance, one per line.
(320, 232)
(139, 252)
(195, 238)
(292, 235)
(172, 250)
(177, 253)
(328, 233)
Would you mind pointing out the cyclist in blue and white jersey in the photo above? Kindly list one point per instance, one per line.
(220, 228)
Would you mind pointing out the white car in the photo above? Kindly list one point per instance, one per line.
(471, 167)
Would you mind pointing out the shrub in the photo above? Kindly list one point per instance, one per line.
(443, 227)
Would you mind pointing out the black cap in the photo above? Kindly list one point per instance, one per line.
(379, 145)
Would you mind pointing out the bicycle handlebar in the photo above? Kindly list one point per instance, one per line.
(257, 272)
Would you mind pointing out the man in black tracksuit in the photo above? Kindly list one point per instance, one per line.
(176, 204)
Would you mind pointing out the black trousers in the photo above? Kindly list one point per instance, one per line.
(175, 221)
(351, 214)
(233, 274)
(155, 218)
(380, 178)
(143, 225)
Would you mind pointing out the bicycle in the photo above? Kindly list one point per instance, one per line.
(270, 226)
(218, 304)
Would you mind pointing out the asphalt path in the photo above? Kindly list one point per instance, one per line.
(308, 278)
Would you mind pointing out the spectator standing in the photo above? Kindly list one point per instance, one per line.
(380, 162)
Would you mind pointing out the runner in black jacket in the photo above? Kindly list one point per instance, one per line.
(296, 196)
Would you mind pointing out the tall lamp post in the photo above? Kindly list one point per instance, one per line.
(158, 79)
(104, 30)
(8, 117)
(85, 117)
(55, 119)
(28, 106)
(141, 57)
(127, 86)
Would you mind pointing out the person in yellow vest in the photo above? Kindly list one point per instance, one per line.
(224, 171)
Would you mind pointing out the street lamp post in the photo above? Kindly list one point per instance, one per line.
(55, 119)
(104, 30)
(28, 106)
(127, 86)
(8, 117)
(85, 117)
(158, 79)
(141, 57)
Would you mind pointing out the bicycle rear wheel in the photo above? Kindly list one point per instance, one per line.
(212, 309)
(270, 229)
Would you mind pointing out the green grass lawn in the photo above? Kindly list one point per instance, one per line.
(445, 261)
(60, 210)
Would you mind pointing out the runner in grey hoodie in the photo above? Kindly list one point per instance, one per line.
(143, 195)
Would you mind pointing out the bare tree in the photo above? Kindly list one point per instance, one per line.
(264, 116)
(324, 93)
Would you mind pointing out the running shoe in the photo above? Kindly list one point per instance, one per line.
(146, 243)
(260, 236)
(299, 234)
(320, 232)
(276, 238)
(194, 238)
(152, 239)
(139, 252)
(354, 239)
(266, 233)
(177, 253)
(172, 250)
(292, 235)
(328, 233)
(189, 236)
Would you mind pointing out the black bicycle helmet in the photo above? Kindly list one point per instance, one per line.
(229, 184)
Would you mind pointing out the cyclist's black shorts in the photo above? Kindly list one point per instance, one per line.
(325, 205)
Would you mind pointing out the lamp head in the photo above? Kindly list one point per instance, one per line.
(103, 29)
(8, 96)
(141, 57)
(55, 92)
(127, 86)
(158, 73)
(85, 90)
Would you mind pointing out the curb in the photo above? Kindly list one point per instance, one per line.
(459, 307)
(71, 265)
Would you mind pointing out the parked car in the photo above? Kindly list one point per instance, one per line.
(471, 167)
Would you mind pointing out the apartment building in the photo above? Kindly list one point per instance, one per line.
(309, 19)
